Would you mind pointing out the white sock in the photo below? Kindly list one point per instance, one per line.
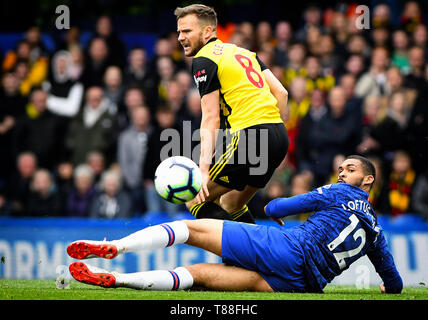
(154, 237)
(177, 279)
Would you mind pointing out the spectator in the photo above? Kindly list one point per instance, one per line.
(63, 179)
(283, 36)
(12, 107)
(267, 55)
(264, 34)
(112, 201)
(295, 63)
(96, 63)
(40, 131)
(339, 132)
(166, 70)
(400, 184)
(380, 37)
(418, 128)
(353, 103)
(70, 38)
(371, 119)
(80, 197)
(31, 71)
(378, 195)
(415, 79)
(315, 78)
(175, 97)
(116, 49)
(93, 128)
(77, 62)
(34, 38)
(132, 153)
(301, 183)
(374, 80)
(390, 133)
(420, 195)
(337, 160)
(193, 110)
(133, 98)
(411, 16)
(357, 45)
(330, 61)
(354, 66)
(299, 103)
(340, 31)
(312, 19)
(313, 41)
(113, 87)
(44, 200)
(97, 162)
(65, 93)
(19, 184)
(420, 38)
(138, 74)
(308, 154)
(382, 16)
(400, 56)
(246, 28)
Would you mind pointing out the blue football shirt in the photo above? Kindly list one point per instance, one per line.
(342, 229)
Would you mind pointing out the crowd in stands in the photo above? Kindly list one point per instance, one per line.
(80, 127)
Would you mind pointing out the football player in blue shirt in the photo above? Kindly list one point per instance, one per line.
(304, 258)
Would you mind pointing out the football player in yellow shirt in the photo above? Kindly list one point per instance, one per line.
(242, 100)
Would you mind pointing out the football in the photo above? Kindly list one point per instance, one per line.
(178, 179)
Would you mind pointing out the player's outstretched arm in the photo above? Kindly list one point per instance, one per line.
(279, 92)
(283, 207)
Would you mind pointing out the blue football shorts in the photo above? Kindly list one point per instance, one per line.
(268, 250)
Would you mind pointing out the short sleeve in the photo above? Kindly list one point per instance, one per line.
(205, 75)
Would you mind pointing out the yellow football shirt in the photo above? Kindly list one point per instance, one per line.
(245, 97)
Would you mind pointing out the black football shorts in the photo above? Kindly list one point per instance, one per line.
(249, 156)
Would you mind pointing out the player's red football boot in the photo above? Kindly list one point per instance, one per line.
(92, 275)
(85, 249)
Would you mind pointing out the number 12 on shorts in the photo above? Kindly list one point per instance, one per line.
(360, 233)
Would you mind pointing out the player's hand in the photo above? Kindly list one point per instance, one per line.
(278, 220)
(203, 193)
(382, 288)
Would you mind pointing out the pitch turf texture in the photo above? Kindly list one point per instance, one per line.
(46, 290)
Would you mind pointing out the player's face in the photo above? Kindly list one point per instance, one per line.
(351, 172)
(190, 34)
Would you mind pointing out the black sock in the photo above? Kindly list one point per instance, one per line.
(209, 210)
(243, 215)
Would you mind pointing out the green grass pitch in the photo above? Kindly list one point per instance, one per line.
(46, 290)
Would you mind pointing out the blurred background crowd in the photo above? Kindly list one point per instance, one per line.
(80, 121)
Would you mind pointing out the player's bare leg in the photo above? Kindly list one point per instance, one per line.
(235, 203)
(227, 278)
